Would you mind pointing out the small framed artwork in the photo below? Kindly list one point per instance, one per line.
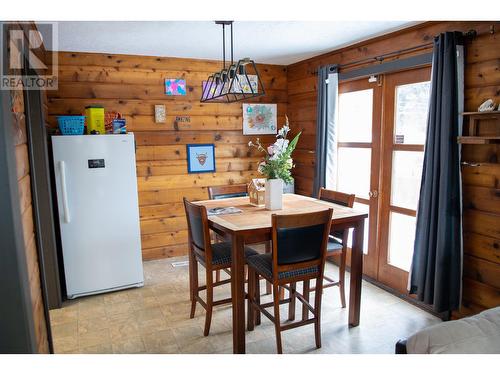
(160, 113)
(260, 119)
(200, 158)
(174, 86)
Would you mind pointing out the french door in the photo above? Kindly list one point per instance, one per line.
(381, 136)
(358, 157)
(405, 109)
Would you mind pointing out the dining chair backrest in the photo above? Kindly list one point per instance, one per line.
(227, 191)
(197, 220)
(337, 197)
(300, 240)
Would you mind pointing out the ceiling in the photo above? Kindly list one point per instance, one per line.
(265, 42)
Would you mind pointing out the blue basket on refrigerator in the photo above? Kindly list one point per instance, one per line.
(71, 125)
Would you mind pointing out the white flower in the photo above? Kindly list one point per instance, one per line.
(280, 145)
(250, 144)
(283, 132)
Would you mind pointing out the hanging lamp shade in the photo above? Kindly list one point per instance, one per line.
(236, 82)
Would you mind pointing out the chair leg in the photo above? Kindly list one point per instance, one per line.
(217, 238)
(282, 293)
(268, 284)
(293, 299)
(342, 276)
(209, 302)
(317, 311)
(193, 284)
(251, 298)
(257, 299)
(276, 300)
(305, 293)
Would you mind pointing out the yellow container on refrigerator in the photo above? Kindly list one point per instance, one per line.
(95, 119)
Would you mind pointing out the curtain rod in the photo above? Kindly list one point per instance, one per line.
(471, 34)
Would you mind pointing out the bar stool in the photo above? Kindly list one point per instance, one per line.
(298, 254)
(232, 191)
(213, 256)
(337, 241)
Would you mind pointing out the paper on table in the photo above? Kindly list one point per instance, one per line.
(223, 211)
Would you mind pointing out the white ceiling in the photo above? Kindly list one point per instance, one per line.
(264, 42)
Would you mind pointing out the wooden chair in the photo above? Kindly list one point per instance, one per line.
(337, 240)
(232, 191)
(227, 191)
(221, 192)
(298, 254)
(213, 257)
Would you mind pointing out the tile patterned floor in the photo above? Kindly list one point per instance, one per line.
(155, 319)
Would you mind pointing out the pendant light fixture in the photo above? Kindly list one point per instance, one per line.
(236, 81)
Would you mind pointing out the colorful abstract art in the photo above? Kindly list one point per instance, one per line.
(200, 158)
(174, 86)
(259, 119)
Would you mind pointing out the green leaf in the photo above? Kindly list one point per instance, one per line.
(292, 144)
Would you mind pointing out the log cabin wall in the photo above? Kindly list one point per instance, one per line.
(481, 281)
(132, 85)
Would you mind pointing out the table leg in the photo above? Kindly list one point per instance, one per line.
(356, 273)
(238, 294)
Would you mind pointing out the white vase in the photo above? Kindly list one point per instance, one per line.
(274, 194)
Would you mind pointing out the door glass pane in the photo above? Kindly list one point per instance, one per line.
(401, 238)
(406, 176)
(353, 171)
(412, 106)
(355, 116)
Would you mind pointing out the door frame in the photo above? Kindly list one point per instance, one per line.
(17, 323)
(381, 168)
(41, 192)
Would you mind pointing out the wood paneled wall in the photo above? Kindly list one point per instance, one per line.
(481, 184)
(132, 85)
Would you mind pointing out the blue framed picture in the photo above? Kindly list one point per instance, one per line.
(200, 158)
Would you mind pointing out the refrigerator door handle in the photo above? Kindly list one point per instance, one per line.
(64, 192)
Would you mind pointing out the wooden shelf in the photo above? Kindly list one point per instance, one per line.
(477, 140)
(485, 114)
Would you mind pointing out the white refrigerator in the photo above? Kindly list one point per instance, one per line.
(98, 212)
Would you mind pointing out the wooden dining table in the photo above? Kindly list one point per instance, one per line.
(253, 225)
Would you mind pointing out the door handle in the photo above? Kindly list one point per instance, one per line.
(64, 192)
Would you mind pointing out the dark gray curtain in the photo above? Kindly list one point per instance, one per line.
(325, 126)
(436, 270)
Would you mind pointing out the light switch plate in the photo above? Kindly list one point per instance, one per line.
(160, 113)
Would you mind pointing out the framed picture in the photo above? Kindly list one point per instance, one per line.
(260, 119)
(200, 158)
(174, 86)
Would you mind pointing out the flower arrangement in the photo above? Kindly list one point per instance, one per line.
(278, 161)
